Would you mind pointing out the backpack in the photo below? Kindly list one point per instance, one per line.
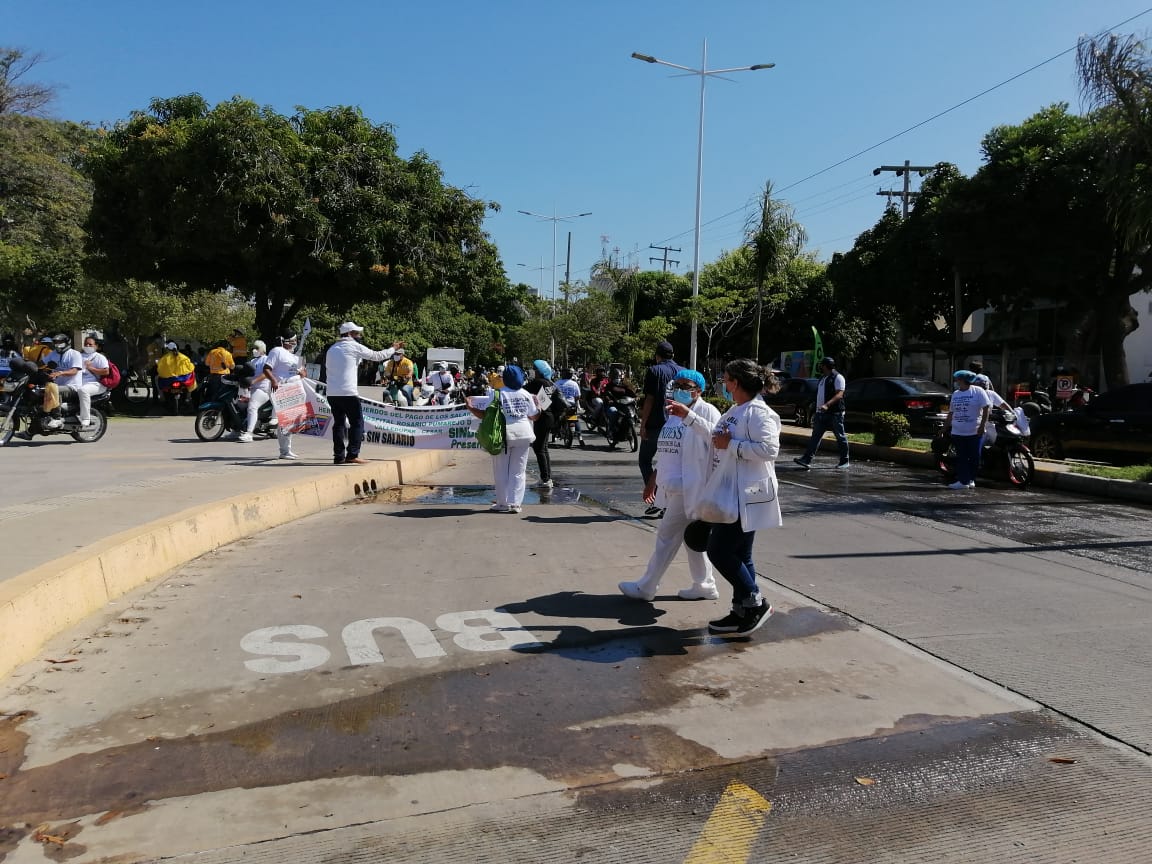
(112, 380)
(490, 435)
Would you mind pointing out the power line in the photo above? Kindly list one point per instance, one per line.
(936, 116)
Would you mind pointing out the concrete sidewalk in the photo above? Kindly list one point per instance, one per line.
(86, 523)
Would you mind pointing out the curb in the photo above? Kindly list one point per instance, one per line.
(42, 602)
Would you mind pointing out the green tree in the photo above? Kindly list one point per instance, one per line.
(1034, 222)
(43, 197)
(312, 209)
(726, 299)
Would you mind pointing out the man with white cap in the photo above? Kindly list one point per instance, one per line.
(342, 361)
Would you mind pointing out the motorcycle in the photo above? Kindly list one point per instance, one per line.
(21, 406)
(624, 428)
(1004, 450)
(227, 412)
(174, 392)
(570, 427)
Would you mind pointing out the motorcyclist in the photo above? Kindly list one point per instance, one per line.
(616, 389)
(173, 367)
(399, 372)
(8, 351)
(442, 382)
(67, 365)
(259, 391)
(569, 385)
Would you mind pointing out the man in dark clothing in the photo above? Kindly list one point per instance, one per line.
(657, 380)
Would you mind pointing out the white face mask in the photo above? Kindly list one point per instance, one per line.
(89, 349)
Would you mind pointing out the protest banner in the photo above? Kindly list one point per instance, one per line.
(302, 410)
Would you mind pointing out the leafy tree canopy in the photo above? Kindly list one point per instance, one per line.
(312, 209)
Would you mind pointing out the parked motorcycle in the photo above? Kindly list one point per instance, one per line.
(1005, 451)
(21, 411)
(227, 412)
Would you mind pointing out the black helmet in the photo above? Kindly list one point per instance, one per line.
(62, 341)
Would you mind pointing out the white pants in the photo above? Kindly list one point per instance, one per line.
(256, 399)
(510, 472)
(669, 539)
(84, 397)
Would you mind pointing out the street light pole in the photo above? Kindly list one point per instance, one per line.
(704, 72)
(554, 219)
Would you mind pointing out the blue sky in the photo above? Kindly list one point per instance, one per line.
(538, 105)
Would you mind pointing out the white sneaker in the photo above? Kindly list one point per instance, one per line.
(546, 484)
(514, 508)
(633, 590)
(957, 485)
(971, 484)
(699, 592)
(54, 423)
(245, 438)
(289, 455)
(498, 508)
(87, 424)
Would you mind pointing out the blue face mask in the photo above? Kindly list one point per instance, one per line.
(727, 393)
(684, 397)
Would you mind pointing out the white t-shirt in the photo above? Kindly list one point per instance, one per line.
(71, 359)
(259, 382)
(441, 381)
(98, 361)
(668, 448)
(966, 407)
(282, 363)
(570, 389)
(518, 406)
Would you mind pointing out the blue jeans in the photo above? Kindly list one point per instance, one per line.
(824, 421)
(346, 408)
(967, 456)
(730, 551)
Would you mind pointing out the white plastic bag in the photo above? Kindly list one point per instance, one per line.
(719, 503)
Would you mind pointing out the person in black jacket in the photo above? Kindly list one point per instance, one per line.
(546, 394)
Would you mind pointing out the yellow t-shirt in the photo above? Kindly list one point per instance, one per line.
(174, 365)
(400, 370)
(219, 361)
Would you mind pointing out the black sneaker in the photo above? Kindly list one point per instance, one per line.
(730, 623)
(799, 460)
(754, 618)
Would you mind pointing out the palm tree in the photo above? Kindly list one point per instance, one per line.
(774, 238)
(1116, 80)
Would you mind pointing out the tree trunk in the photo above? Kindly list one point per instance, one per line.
(1115, 319)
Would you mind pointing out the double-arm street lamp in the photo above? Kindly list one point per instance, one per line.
(704, 73)
(554, 219)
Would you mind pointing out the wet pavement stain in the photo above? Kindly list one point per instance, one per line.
(524, 712)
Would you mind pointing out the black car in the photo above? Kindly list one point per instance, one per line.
(1115, 427)
(918, 399)
(796, 399)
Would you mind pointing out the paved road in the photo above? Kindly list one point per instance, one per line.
(415, 679)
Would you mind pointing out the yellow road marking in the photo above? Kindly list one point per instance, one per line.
(735, 822)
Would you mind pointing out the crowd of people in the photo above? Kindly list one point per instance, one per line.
(692, 460)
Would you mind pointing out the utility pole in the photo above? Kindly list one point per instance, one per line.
(904, 171)
(665, 259)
